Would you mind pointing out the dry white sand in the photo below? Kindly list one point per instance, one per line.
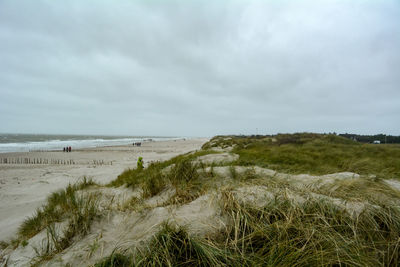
(25, 187)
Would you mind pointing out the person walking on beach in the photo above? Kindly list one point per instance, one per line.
(140, 163)
(63, 149)
(69, 149)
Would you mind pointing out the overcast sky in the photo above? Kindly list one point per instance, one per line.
(199, 68)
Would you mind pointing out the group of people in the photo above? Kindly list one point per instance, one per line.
(67, 149)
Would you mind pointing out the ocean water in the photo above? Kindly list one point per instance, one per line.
(39, 142)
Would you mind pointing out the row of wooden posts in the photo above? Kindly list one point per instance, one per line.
(48, 161)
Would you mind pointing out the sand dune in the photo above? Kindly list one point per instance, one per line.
(24, 187)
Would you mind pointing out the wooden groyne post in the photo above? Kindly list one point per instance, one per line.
(37, 161)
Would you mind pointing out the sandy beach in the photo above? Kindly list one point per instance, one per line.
(25, 187)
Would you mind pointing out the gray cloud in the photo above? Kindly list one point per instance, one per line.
(197, 68)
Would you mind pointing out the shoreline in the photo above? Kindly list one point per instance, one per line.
(58, 145)
(25, 187)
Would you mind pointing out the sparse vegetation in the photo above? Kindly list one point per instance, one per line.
(133, 203)
(181, 173)
(3, 244)
(80, 215)
(24, 243)
(185, 177)
(135, 177)
(60, 205)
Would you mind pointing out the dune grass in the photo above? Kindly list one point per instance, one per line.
(313, 153)
(366, 189)
(172, 246)
(151, 179)
(66, 207)
(185, 178)
(281, 233)
(59, 206)
(181, 173)
(134, 177)
(116, 260)
(79, 223)
(316, 231)
(83, 211)
(313, 233)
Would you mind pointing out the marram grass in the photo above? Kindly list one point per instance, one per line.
(281, 233)
(313, 153)
(59, 204)
(314, 233)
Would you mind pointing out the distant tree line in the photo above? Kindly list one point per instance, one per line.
(390, 139)
(301, 138)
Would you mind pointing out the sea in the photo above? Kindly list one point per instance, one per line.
(45, 142)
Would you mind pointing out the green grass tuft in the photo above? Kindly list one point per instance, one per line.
(81, 213)
(116, 260)
(314, 233)
(183, 174)
(58, 206)
(174, 247)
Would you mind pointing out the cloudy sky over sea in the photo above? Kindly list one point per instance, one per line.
(199, 68)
